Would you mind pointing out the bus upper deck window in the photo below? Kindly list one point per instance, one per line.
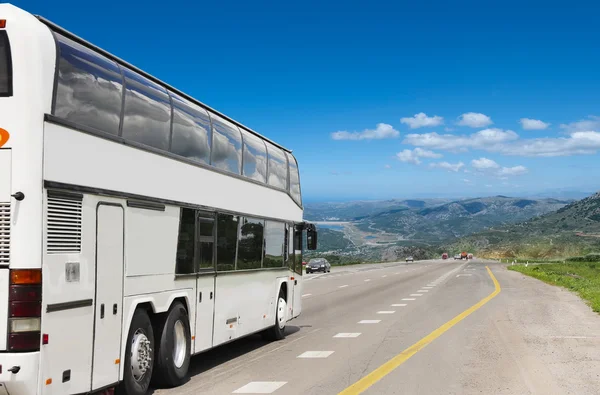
(5, 66)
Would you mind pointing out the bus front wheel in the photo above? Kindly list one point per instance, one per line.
(139, 356)
(277, 332)
(173, 347)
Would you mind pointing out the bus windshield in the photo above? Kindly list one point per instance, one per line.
(5, 66)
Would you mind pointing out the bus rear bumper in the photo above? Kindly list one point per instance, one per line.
(25, 381)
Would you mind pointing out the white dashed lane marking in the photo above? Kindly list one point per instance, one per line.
(385, 275)
(399, 305)
(315, 354)
(408, 299)
(306, 295)
(386, 312)
(423, 290)
(343, 286)
(368, 279)
(347, 335)
(416, 294)
(260, 387)
(369, 321)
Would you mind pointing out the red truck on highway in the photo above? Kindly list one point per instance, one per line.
(445, 255)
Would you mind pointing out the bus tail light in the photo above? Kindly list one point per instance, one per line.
(24, 310)
(2, 23)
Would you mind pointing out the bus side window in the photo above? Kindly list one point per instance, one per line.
(185, 242)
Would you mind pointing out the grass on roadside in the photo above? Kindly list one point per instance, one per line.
(583, 278)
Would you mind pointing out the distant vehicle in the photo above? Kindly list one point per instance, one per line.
(303, 263)
(445, 255)
(470, 256)
(318, 265)
(409, 259)
(457, 256)
(463, 255)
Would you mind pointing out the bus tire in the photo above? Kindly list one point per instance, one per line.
(277, 331)
(140, 341)
(173, 347)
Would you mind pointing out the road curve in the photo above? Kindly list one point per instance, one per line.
(528, 337)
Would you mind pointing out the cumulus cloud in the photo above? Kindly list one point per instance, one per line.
(421, 120)
(490, 167)
(382, 131)
(448, 166)
(484, 164)
(451, 142)
(414, 156)
(533, 124)
(474, 120)
(512, 171)
(591, 123)
(508, 143)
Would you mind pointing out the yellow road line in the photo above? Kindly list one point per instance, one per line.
(385, 369)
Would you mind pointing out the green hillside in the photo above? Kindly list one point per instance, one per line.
(571, 230)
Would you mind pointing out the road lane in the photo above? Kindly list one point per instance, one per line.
(328, 348)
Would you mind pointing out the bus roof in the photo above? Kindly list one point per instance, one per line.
(120, 61)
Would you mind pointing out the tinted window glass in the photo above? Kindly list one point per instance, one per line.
(5, 66)
(277, 167)
(274, 244)
(227, 146)
(227, 229)
(185, 242)
(250, 244)
(89, 90)
(255, 157)
(206, 241)
(294, 179)
(191, 131)
(147, 117)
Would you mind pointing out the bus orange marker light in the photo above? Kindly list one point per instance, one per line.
(48, 381)
(230, 325)
(4, 136)
(2, 23)
(25, 276)
(117, 361)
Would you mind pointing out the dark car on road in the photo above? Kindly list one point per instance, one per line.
(318, 265)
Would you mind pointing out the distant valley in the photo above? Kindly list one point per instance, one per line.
(390, 229)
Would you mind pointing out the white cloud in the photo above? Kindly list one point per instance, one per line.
(448, 129)
(450, 142)
(448, 166)
(533, 124)
(383, 131)
(512, 171)
(414, 156)
(474, 120)
(421, 120)
(484, 164)
(488, 185)
(466, 180)
(508, 143)
(387, 166)
(591, 123)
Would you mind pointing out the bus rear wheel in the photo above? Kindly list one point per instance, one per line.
(139, 356)
(173, 347)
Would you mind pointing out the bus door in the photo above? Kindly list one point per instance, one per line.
(109, 294)
(295, 251)
(205, 282)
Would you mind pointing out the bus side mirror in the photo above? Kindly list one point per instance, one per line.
(311, 238)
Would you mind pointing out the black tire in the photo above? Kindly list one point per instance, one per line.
(130, 386)
(275, 332)
(166, 371)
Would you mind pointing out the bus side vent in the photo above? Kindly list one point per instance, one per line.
(4, 233)
(64, 224)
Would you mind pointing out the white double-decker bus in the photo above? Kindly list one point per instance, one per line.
(138, 226)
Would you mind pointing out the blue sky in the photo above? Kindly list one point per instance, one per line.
(302, 73)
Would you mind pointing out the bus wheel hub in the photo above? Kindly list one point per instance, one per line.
(140, 355)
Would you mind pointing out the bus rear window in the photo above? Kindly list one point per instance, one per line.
(5, 65)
